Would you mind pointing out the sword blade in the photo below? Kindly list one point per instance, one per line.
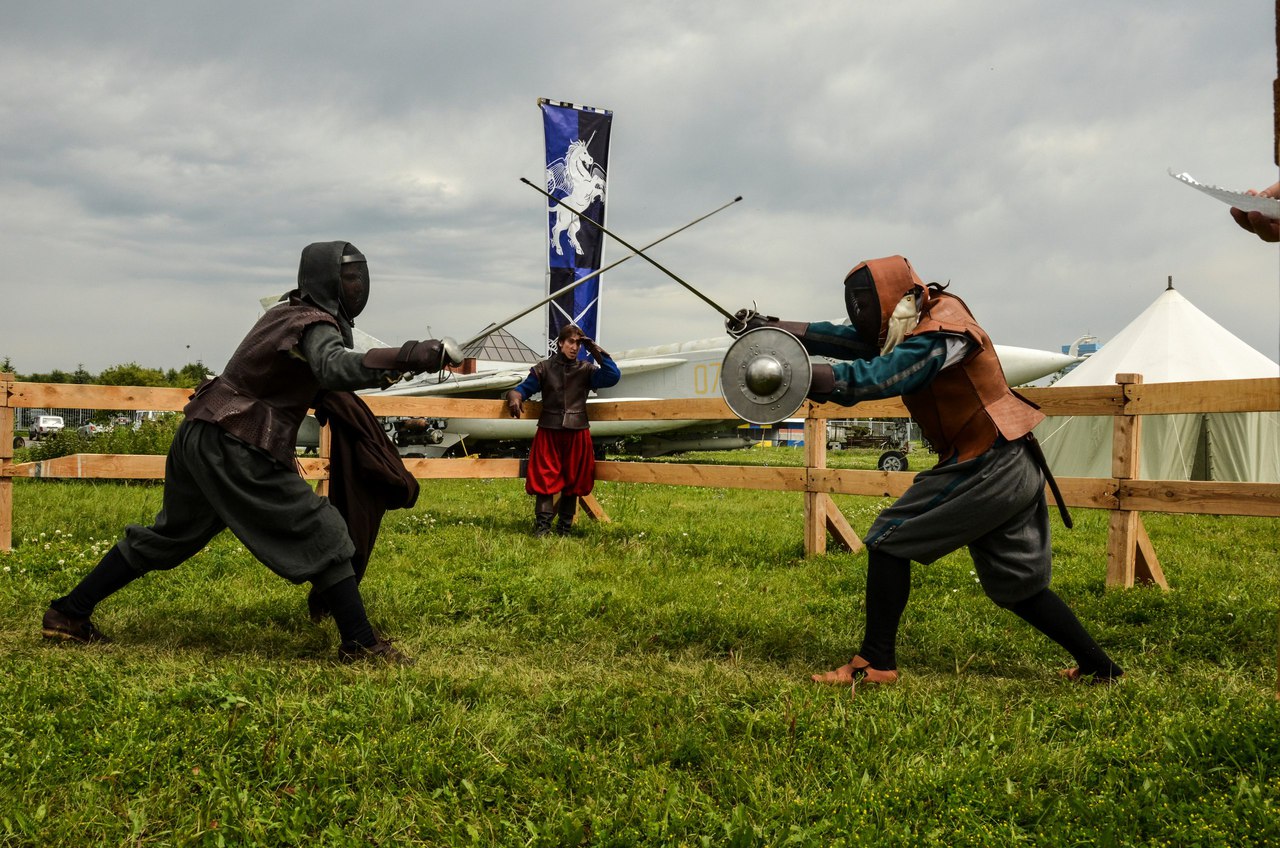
(493, 328)
(636, 250)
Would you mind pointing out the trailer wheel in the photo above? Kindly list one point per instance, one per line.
(892, 461)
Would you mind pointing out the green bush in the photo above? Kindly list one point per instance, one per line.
(153, 437)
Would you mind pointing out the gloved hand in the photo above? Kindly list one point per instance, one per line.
(452, 353)
(822, 383)
(597, 352)
(427, 355)
(515, 403)
(746, 319)
(430, 356)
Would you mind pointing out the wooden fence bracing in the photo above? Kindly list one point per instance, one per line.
(1131, 558)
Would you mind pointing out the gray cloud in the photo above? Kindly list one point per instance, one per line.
(165, 165)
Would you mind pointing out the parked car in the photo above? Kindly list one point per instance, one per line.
(92, 429)
(142, 416)
(45, 426)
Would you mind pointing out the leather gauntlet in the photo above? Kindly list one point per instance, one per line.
(429, 355)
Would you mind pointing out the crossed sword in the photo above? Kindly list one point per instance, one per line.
(635, 251)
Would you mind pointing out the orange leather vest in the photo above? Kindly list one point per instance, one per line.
(970, 404)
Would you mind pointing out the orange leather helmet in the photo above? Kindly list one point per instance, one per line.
(872, 291)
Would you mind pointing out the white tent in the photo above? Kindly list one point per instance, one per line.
(1171, 342)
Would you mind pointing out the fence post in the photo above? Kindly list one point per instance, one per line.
(815, 503)
(1130, 556)
(821, 514)
(322, 450)
(6, 461)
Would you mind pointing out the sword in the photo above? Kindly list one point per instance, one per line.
(493, 328)
(636, 250)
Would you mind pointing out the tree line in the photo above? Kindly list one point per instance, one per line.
(127, 374)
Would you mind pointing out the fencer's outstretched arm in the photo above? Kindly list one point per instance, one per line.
(907, 368)
(336, 366)
(820, 338)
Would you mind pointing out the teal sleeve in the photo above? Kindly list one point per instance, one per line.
(907, 368)
(838, 341)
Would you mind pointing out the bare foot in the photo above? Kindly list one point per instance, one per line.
(842, 676)
(1077, 676)
(856, 669)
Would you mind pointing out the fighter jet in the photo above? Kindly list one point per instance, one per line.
(672, 371)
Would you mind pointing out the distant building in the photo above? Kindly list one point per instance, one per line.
(1085, 346)
(497, 350)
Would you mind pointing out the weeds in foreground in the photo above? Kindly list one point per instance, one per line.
(643, 683)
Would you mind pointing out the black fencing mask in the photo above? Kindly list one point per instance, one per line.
(863, 305)
(353, 282)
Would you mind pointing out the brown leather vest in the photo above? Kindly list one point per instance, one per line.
(969, 404)
(265, 391)
(565, 385)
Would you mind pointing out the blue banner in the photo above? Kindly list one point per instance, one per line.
(577, 148)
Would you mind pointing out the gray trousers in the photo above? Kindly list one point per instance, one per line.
(993, 504)
(214, 481)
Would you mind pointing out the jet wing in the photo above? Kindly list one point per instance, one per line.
(498, 381)
(430, 385)
(641, 365)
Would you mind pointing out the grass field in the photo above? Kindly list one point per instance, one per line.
(643, 683)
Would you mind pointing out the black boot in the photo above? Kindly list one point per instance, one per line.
(1049, 614)
(888, 588)
(317, 609)
(543, 512)
(359, 640)
(68, 617)
(565, 513)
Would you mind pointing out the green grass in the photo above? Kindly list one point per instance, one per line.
(644, 683)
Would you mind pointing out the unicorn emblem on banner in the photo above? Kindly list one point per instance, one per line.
(579, 181)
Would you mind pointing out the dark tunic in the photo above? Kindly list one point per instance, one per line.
(367, 477)
(232, 462)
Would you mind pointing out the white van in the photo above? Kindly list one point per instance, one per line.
(45, 426)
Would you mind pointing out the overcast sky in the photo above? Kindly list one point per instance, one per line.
(165, 163)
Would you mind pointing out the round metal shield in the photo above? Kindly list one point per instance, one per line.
(765, 376)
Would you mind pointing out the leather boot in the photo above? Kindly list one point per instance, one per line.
(564, 519)
(543, 512)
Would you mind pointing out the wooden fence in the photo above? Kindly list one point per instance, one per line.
(1131, 558)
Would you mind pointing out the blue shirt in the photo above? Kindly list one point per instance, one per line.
(605, 375)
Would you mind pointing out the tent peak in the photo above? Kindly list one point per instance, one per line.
(1170, 286)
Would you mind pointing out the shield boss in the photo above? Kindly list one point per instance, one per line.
(765, 376)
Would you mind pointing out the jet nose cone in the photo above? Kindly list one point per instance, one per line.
(1022, 365)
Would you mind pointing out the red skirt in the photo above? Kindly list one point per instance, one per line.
(561, 461)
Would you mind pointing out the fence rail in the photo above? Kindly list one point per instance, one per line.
(1131, 558)
(1121, 493)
